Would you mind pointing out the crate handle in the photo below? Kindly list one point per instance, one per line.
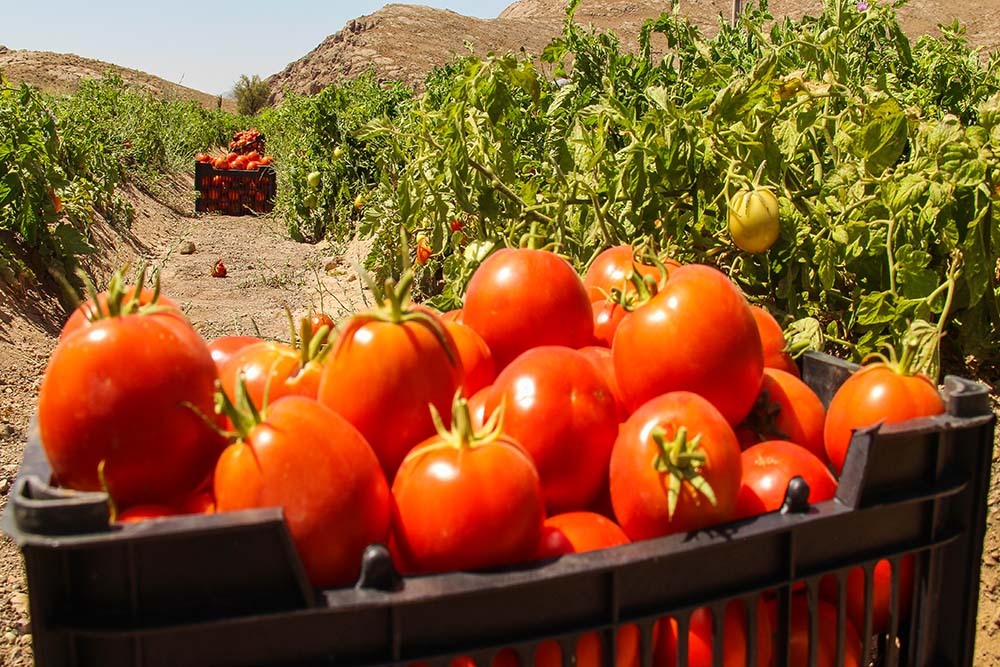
(42, 509)
(377, 571)
(796, 497)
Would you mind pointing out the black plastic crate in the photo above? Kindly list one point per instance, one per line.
(234, 191)
(228, 589)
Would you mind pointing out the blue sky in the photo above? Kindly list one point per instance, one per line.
(206, 45)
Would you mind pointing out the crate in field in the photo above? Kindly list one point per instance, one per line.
(243, 144)
(229, 589)
(234, 191)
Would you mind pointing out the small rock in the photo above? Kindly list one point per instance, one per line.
(333, 264)
(187, 248)
(19, 602)
(10, 637)
(351, 278)
(25, 639)
(4, 486)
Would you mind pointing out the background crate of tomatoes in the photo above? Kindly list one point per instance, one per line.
(246, 141)
(234, 191)
(897, 552)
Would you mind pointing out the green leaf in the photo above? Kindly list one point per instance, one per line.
(908, 192)
(72, 240)
(825, 263)
(876, 308)
(883, 142)
(805, 334)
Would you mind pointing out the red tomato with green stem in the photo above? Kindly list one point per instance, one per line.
(772, 338)
(561, 410)
(769, 466)
(386, 367)
(95, 308)
(520, 298)
(609, 313)
(611, 270)
(308, 460)
(145, 375)
(786, 409)
(273, 370)
(466, 500)
(887, 391)
(697, 334)
(675, 468)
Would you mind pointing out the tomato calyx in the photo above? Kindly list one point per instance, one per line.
(917, 356)
(116, 304)
(312, 346)
(395, 309)
(463, 434)
(681, 459)
(242, 414)
(763, 418)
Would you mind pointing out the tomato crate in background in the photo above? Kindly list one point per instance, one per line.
(234, 191)
(229, 589)
(255, 145)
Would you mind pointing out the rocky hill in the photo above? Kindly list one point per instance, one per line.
(403, 42)
(62, 72)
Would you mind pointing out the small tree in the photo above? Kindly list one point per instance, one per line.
(251, 94)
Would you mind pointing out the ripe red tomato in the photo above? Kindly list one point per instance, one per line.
(577, 532)
(145, 512)
(306, 459)
(881, 592)
(602, 360)
(685, 428)
(521, 298)
(477, 406)
(453, 315)
(320, 320)
(275, 368)
(590, 652)
(466, 501)
(224, 347)
(697, 335)
(561, 410)
(140, 375)
(877, 392)
(767, 469)
(386, 367)
(786, 409)
(701, 637)
(611, 269)
(423, 251)
(608, 315)
(222, 164)
(772, 339)
(826, 650)
(477, 360)
(219, 269)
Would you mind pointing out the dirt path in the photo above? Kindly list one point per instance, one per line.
(266, 272)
